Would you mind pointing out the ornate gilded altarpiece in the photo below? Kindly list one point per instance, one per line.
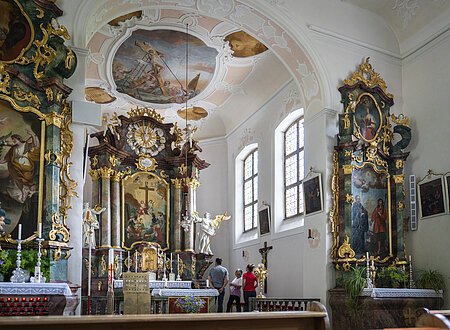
(35, 137)
(367, 183)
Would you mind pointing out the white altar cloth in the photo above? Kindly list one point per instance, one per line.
(400, 293)
(185, 292)
(35, 288)
(160, 284)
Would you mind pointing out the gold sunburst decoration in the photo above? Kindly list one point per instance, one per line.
(145, 112)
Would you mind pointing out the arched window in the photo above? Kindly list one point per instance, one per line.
(250, 189)
(294, 169)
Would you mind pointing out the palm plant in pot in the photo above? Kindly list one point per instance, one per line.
(431, 279)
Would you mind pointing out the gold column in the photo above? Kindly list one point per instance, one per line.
(177, 230)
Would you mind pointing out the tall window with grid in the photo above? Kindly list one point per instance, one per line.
(294, 168)
(250, 190)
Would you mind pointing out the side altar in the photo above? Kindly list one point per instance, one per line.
(144, 180)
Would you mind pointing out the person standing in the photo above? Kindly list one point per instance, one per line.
(249, 284)
(235, 291)
(378, 219)
(218, 277)
(360, 225)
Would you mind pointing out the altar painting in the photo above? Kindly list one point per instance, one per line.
(369, 224)
(20, 154)
(16, 33)
(368, 117)
(145, 210)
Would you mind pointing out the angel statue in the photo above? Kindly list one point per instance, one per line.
(90, 223)
(208, 228)
(112, 124)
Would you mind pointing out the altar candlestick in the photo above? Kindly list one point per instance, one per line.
(19, 236)
(171, 262)
(128, 263)
(135, 261)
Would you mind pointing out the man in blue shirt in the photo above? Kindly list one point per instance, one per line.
(218, 277)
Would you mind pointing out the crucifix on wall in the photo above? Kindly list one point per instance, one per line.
(146, 189)
(264, 251)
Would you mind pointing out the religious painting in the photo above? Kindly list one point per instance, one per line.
(264, 220)
(20, 165)
(312, 191)
(431, 196)
(188, 304)
(16, 33)
(368, 117)
(370, 220)
(447, 184)
(150, 65)
(145, 204)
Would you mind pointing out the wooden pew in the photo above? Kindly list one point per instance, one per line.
(437, 321)
(255, 320)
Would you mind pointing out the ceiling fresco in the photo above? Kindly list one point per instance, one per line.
(150, 66)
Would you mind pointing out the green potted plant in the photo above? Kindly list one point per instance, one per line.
(354, 283)
(431, 279)
(29, 258)
(392, 277)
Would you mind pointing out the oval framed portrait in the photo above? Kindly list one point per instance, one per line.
(368, 117)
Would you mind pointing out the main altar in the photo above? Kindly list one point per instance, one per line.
(145, 173)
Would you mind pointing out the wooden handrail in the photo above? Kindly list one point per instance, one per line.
(253, 320)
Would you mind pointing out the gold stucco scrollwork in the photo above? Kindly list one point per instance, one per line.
(24, 96)
(348, 169)
(146, 112)
(49, 93)
(40, 13)
(54, 118)
(113, 160)
(5, 80)
(177, 183)
(334, 208)
(399, 178)
(58, 228)
(182, 169)
(57, 254)
(94, 161)
(400, 206)
(345, 250)
(192, 183)
(349, 198)
(163, 174)
(367, 75)
(399, 164)
(401, 120)
(70, 59)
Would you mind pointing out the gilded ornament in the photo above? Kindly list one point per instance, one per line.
(94, 161)
(94, 175)
(345, 250)
(401, 120)
(348, 169)
(177, 183)
(145, 112)
(346, 121)
(29, 97)
(182, 169)
(371, 152)
(70, 59)
(178, 136)
(99, 285)
(53, 158)
(349, 198)
(113, 160)
(346, 267)
(368, 76)
(105, 172)
(400, 206)
(163, 174)
(5, 80)
(49, 93)
(59, 97)
(399, 164)
(68, 255)
(146, 163)
(399, 178)
(192, 183)
(54, 118)
(40, 13)
(103, 265)
(145, 139)
(57, 254)
(348, 153)
(58, 228)
(334, 208)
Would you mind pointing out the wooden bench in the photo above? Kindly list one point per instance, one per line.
(254, 320)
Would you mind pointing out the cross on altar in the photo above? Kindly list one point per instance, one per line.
(146, 188)
(264, 251)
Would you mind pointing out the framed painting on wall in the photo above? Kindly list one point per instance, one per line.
(447, 185)
(264, 220)
(312, 191)
(431, 196)
(21, 170)
(145, 207)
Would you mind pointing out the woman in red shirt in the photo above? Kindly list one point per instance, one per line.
(249, 284)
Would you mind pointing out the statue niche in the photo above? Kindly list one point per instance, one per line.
(367, 182)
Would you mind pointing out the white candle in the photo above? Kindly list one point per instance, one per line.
(39, 229)
(178, 264)
(171, 262)
(19, 236)
(135, 262)
(207, 283)
(367, 255)
(409, 258)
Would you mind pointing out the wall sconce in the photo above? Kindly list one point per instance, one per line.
(311, 233)
(313, 238)
(245, 255)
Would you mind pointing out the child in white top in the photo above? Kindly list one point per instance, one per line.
(235, 291)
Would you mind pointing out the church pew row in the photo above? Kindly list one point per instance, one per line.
(305, 320)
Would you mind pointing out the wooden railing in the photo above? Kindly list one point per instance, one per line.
(280, 304)
(264, 320)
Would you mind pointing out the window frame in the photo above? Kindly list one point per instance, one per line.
(298, 183)
(254, 201)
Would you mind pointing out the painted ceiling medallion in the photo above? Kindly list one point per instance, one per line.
(144, 139)
(123, 18)
(143, 63)
(98, 95)
(244, 45)
(193, 113)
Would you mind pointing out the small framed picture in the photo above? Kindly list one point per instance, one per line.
(431, 196)
(264, 220)
(447, 185)
(312, 193)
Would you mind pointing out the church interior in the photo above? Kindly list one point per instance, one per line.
(143, 140)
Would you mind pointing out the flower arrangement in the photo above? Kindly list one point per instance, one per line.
(190, 304)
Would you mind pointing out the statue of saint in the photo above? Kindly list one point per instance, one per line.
(208, 228)
(90, 223)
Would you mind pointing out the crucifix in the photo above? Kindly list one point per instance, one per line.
(146, 188)
(264, 251)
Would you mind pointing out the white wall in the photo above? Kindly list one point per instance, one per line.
(427, 101)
